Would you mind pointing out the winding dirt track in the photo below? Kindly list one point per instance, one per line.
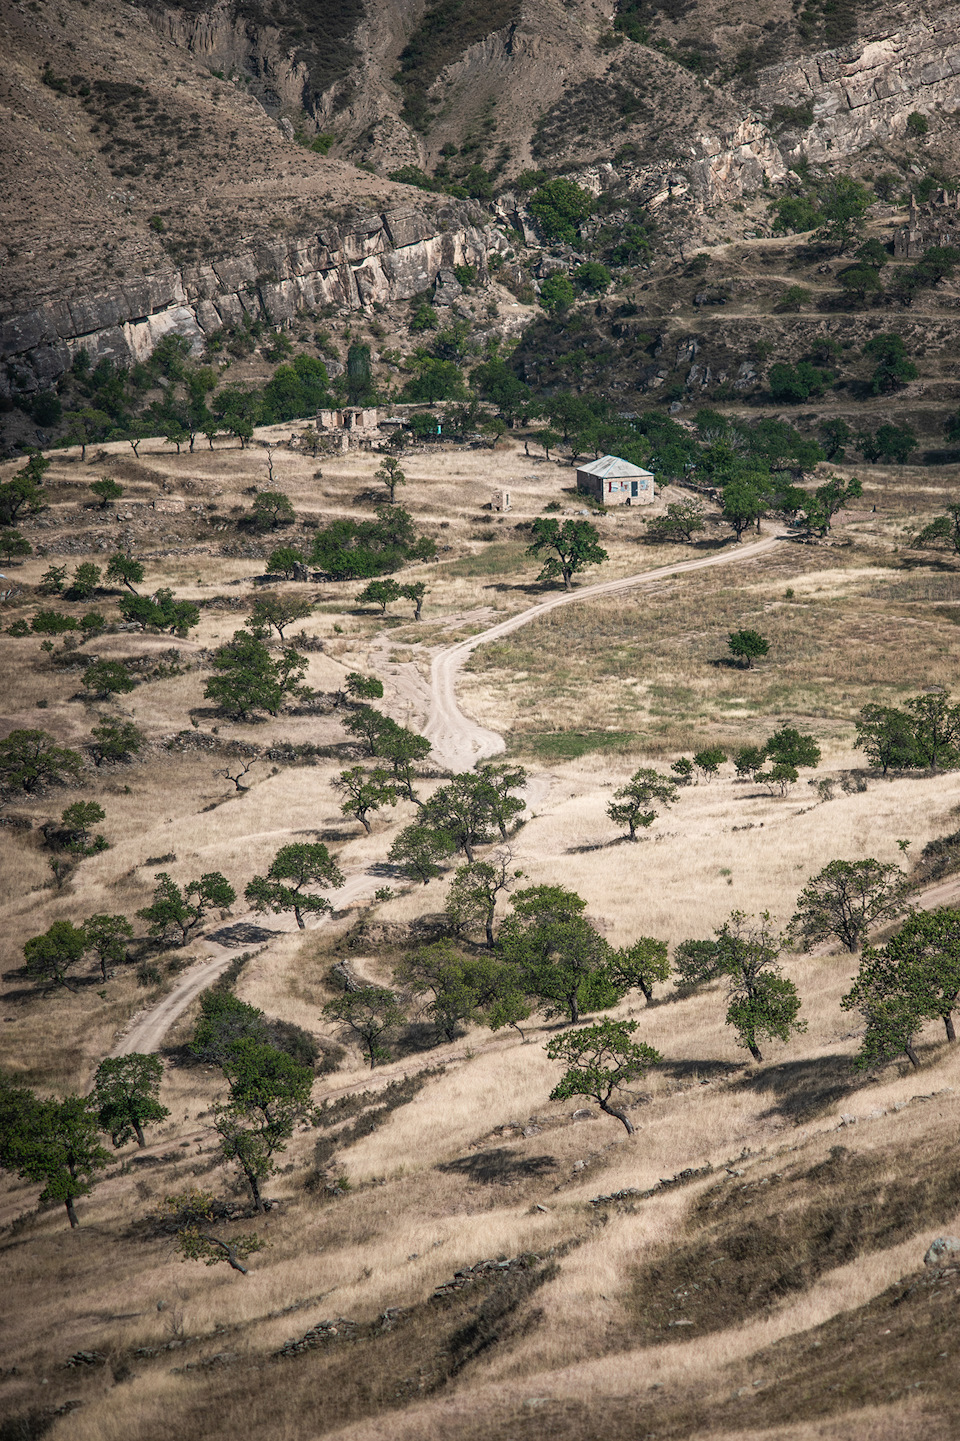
(458, 742)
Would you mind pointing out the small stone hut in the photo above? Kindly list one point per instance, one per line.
(615, 482)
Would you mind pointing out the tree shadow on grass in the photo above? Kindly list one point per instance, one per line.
(705, 1070)
(803, 1090)
(500, 1167)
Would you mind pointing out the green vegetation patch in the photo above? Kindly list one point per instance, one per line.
(571, 745)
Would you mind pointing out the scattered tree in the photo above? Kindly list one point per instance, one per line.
(365, 791)
(631, 804)
(287, 560)
(31, 759)
(14, 546)
(272, 509)
(114, 741)
(682, 521)
(602, 1060)
(762, 1002)
(640, 965)
(269, 1093)
(126, 570)
(49, 957)
(77, 820)
(747, 646)
(249, 679)
(390, 475)
(574, 543)
(381, 593)
(186, 909)
(104, 678)
(293, 868)
(125, 1092)
(561, 959)
(846, 899)
(106, 937)
(418, 849)
(936, 729)
(476, 886)
(373, 1013)
(272, 610)
(53, 1143)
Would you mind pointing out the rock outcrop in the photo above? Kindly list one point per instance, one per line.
(862, 94)
(379, 258)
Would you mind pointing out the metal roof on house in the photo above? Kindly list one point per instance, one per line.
(611, 467)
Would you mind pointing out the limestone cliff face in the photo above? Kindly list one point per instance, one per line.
(384, 257)
(864, 92)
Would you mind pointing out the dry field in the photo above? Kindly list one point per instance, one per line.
(810, 1330)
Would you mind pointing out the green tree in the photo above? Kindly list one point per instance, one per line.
(560, 206)
(14, 546)
(847, 898)
(574, 545)
(381, 593)
(390, 475)
(418, 849)
(186, 909)
(285, 559)
(887, 736)
(272, 509)
(843, 203)
(592, 278)
(602, 1061)
(103, 678)
(503, 777)
(632, 804)
(248, 679)
(52, 622)
(747, 646)
(114, 741)
(917, 123)
(125, 1092)
(364, 792)
(557, 294)
(223, 1020)
(51, 1143)
(415, 592)
(640, 965)
(86, 579)
(936, 729)
(77, 820)
(794, 298)
(372, 1014)
(196, 1245)
(269, 1094)
(367, 724)
(827, 500)
(762, 1002)
(50, 956)
(743, 505)
(682, 521)
(125, 569)
(697, 963)
(561, 959)
(836, 435)
(403, 748)
(893, 1014)
(106, 489)
(53, 580)
(788, 746)
(106, 937)
(439, 972)
(894, 367)
(293, 868)
(709, 760)
(796, 383)
(468, 808)
(363, 687)
(796, 214)
(270, 609)
(475, 889)
(861, 281)
(31, 759)
(946, 528)
(926, 955)
(24, 492)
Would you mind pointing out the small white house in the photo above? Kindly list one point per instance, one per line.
(615, 482)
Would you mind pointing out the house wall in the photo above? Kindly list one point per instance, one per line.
(615, 492)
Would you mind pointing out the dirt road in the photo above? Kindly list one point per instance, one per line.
(458, 743)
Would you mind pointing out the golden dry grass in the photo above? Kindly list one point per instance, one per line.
(859, 625)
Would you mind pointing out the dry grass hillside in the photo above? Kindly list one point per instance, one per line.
(448, 1252)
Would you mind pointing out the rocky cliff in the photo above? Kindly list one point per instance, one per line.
(862, 94)
(384, 257)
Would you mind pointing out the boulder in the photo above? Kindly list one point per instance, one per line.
(942, 1250)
